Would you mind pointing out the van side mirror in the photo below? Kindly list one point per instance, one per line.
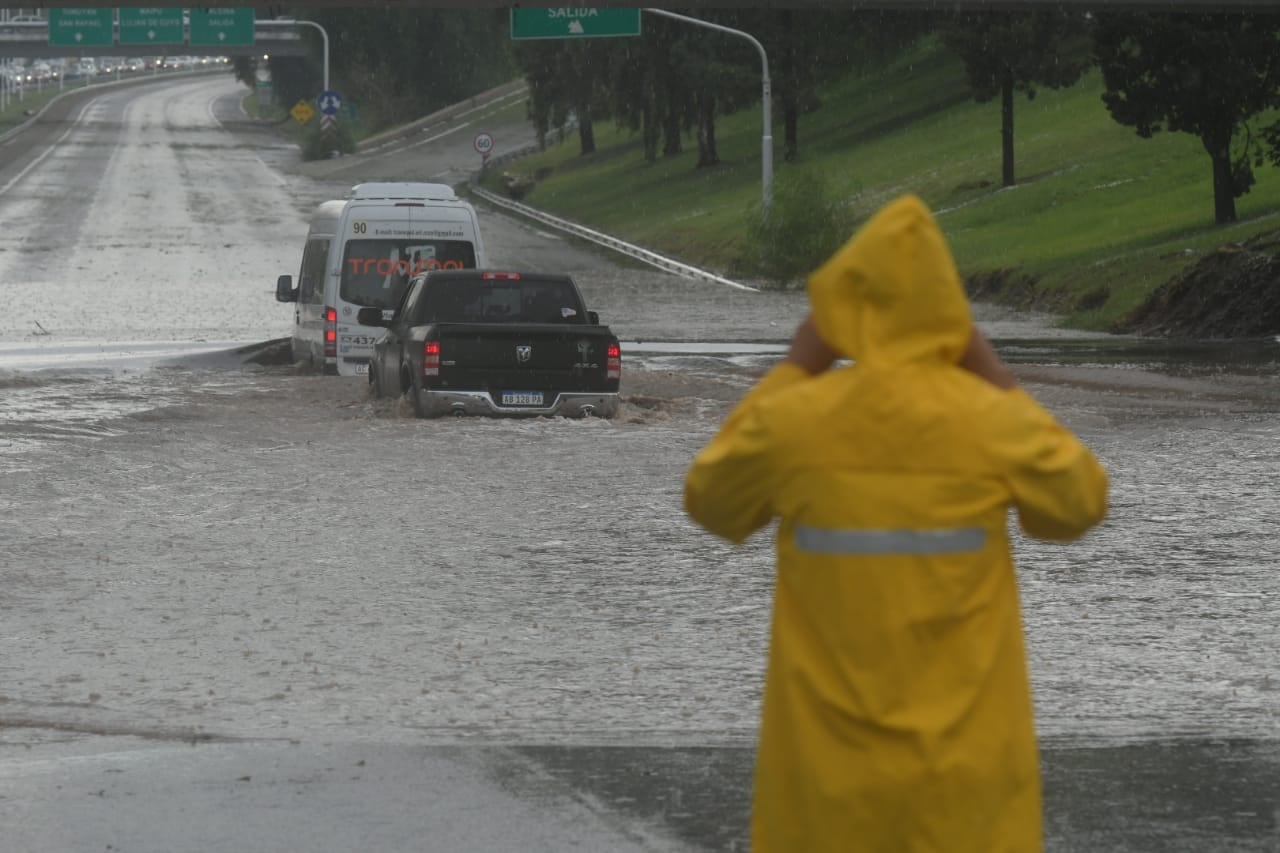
(285, 291)
(371, 317)
(593, 318)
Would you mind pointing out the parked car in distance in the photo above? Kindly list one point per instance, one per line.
(486, 342)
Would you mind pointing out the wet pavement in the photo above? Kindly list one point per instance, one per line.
(115, 794)
(229, 584)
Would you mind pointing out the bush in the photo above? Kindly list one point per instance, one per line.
(804, 226)
(318, 146)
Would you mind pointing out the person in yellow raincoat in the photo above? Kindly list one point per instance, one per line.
(897, 713)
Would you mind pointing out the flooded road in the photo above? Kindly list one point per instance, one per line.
(197, 547)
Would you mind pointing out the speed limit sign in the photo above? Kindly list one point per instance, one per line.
(484, 143)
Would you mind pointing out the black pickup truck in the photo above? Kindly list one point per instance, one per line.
(483, 342)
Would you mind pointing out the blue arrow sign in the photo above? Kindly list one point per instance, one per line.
(330, 102)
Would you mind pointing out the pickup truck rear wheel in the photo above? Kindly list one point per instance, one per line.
(419, 402)
(408, 386)
(375, 382)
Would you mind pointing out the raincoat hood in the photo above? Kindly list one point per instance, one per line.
(891, 295)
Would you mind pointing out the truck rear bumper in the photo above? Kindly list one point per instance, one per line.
(435, 403)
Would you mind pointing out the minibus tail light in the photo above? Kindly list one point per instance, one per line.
(330, 332)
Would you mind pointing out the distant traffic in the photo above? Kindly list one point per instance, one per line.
(36, 72)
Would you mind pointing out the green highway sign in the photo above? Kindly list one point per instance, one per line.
(533, 22)
(222, 26)
(81, 27)
(151, 26)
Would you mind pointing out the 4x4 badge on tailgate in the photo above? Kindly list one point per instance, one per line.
(524, 352)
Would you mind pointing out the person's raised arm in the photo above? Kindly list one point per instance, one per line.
(980, 359)
(808, 350)
(730, 486)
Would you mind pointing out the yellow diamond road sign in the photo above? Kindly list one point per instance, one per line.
(302, 112)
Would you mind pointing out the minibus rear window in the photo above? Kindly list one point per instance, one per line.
(376, 272)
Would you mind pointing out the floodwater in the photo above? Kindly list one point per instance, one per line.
(257, 551)
(193, 543)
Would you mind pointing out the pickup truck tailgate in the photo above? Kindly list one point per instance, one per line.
(547, 357)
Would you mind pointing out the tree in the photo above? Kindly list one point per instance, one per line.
(641, 74)
(806, 47)
(564, 78)
(1203, 74)
(722, 72)
(584, 75)
(1004, 52)
(244, 67)
(649, 87)
(540, 61)
(402, 63)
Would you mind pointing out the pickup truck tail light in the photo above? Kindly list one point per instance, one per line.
(431, 358)
(330, 332)
(613, 364)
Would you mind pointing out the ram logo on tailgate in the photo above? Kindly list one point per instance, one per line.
(524, 352)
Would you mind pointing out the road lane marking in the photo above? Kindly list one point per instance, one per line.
(279, 179)
(36, 162)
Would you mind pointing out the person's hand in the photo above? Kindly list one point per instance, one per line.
(980, 359)
(808, 350)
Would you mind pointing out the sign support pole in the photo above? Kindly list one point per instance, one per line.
(766, 142)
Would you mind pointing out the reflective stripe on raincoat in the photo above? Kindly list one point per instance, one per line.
(897, 714)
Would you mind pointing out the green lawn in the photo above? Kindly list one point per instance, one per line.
(1094, 206)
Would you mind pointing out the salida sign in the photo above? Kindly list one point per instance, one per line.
(535, 22)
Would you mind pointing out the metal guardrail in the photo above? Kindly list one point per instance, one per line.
(630, 250)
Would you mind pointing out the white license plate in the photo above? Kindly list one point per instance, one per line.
(522, 398)
(362, 369)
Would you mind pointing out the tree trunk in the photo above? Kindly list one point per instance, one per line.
(1006, 126)
(586, 133)
(707, 154)
(790, 88)
(671, 144)
(1224, 197)
(791, 133)
(649, 131)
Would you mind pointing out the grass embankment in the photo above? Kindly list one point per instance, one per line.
(1096, 211)
(33, 100)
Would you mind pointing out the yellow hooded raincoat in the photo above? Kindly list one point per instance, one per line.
(897, 713)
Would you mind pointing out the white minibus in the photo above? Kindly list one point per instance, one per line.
(361, 252)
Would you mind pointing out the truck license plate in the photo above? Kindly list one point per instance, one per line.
(522, 398)
(362, 368)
